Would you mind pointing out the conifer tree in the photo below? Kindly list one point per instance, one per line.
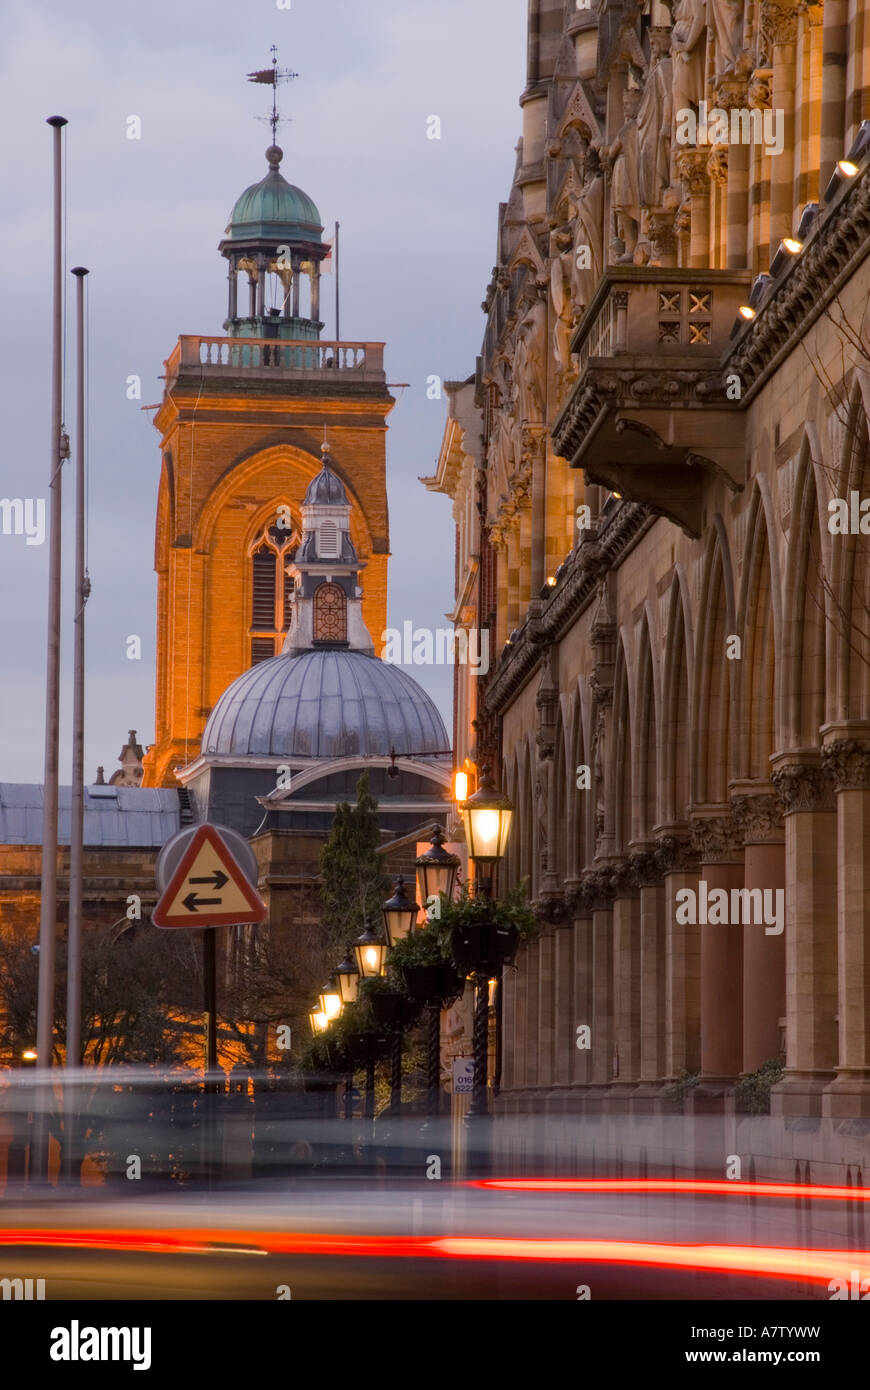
(353, 884)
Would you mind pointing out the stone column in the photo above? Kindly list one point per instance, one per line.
(232, 276)
(807, 798)
(296, 280)
(598, 896)
(626, 979)
(692, 167)
(835, 47)
(759, 176)
(564, 1021)
(546, 1007)
(530, 1039)
(261, 286)
(779, 25)
(519, 1040)
(757, 812)
(721, 867)
(732, 94)
(582, 1065)
(848, 762)
(682, 958)
(652, 1063)
(315, 292)
(535, 460)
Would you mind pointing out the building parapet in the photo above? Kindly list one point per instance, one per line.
(217, 358)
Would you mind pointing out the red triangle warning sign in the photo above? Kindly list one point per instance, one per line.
(209, 888)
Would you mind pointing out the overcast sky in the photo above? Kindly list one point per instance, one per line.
(418, 224)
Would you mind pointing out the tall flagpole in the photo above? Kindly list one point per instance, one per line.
(48, 899)
(82, 589)
(337, 301)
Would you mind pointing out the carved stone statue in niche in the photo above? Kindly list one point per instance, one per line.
(589, 232)
(561, 269)
(654, 119)
(688, 50)
(726, 21)
(531, 364)
(624, 189)
(501, 451)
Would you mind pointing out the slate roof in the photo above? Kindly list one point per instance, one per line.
(138, 817)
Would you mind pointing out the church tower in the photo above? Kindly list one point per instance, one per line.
(241, 424)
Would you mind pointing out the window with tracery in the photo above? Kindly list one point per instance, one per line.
(330, 614)
(271, 589)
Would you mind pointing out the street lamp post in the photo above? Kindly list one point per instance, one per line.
(488, 815)
(347, 978)
(436, 874)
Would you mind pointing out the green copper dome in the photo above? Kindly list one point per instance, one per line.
(274, 209)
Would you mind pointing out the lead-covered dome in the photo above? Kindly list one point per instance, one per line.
(325, 489)
(324, 704)
(274, 209)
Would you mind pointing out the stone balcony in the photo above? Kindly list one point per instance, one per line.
(649, 416)
(218, 362)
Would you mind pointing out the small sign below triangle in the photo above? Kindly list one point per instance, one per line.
(209, 888)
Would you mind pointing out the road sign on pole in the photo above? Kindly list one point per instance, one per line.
(209, 887)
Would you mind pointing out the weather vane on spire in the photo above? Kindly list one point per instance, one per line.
(272, 77)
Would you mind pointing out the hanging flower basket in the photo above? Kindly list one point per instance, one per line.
(432, 984)
(484, 945)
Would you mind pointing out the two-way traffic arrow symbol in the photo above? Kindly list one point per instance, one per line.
(193, 903)
(216, 880)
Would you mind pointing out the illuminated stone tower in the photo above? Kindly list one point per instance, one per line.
(241, 424)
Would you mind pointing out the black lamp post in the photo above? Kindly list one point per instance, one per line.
(436, 874)
(347, 981)
(400, 915)
(487, 818)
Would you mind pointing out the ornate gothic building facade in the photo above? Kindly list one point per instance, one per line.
(658, 471)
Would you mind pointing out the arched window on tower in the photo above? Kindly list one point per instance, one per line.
(330, 614)
(271, 589)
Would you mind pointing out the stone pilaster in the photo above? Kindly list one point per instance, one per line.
(716, 838)
(847, 760)
(758, 814)
(806, 795)
(678, 866)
